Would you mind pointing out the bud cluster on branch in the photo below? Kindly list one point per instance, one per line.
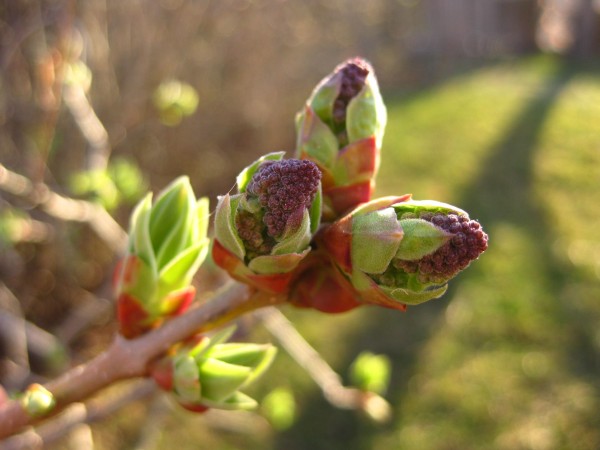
(308, 227)
(304, 231)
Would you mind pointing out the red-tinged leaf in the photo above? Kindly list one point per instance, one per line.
(126, 271)
(337, 241)
(316, 141)
(275, 283)
(378, 298)
(179, 302)
(224, 258)
(324, 289)
(161, 372)
(195, 408)
(357, 161)
(133, 319)
(372, 294)
(344, 198)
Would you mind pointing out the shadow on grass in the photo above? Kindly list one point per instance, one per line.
(502, 193)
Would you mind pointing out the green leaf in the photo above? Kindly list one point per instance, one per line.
(143, 285)
(375, 240)
(181, 269)
(324, 95)
(273, 264)
(186, 378)
(220, 379)
(416, 207)
(167, 210)
(421, 238)
(202, 219)
(316, 140)
(414, 298)
(315, 211)
(366, 114)
(246, 175)
(200, 349)
(241, 353)
(225, 230)
(297, 241)
(139, 235)
(178, 236)
(237, 401)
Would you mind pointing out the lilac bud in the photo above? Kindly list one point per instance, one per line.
(264, 231)
(404, 250)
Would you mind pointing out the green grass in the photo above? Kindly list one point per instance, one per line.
(513, 360)
(509, 358)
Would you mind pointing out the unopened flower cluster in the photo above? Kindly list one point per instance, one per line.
(305, 229)
(309, 228)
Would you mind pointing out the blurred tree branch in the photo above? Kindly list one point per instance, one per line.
(75, 415)
(65, 208)
(322, 373)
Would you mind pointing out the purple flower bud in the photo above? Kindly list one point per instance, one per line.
(468, 241)
(341, 129)
(284, 189)
(353, 75)
(263, 232)
(401, 251)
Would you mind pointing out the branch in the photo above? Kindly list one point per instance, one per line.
(65, 208)
(76, 415)
(322, 373)
(90, 126)
(126, 359)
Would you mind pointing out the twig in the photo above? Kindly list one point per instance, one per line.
(310, 360)
(13, 333)
(126, 359)
(90, 126)
(326, 378)
(81, 437)
(65, 208)
(75, 415)
(239, 422)
(154, 422)
(91, 309)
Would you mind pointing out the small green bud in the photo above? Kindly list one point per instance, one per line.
(37, 401)
(279, 407)
(370, 372)
(167, 245)
(212, 373)
(174, 101)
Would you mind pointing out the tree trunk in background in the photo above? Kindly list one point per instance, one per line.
(586, 29)
(482, 28)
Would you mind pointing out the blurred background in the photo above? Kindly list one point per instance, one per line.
(494, 106)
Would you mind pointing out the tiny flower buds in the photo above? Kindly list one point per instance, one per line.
(211, 373)
(167, 244)
(341, 129)
(264, 231)
(397, 251)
